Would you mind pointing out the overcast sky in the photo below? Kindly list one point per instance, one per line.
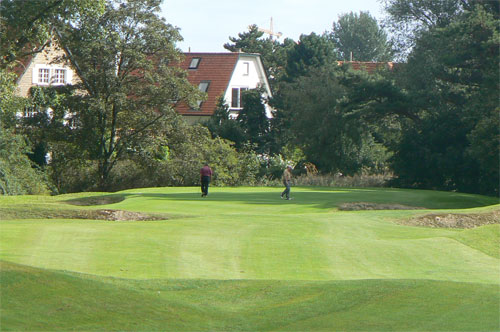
(207, 24)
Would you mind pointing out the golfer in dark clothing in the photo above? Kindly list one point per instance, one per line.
(205, 176)
(287, 181)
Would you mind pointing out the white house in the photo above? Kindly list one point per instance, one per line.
(217, 74)
(45, 68)
(222, 74)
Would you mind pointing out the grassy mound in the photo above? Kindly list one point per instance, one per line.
(96, 200)
(485, 239)
(41, 300)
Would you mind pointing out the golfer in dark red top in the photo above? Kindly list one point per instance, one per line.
(205, 176)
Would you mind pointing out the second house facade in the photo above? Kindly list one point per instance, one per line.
(222, 74)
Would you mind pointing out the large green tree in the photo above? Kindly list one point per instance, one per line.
(250, 129)
(408, 19)
(253, 120)
(361, 36)
(311, 51)
(127, 87)
(332, 130)
(452, 78)
(306, 55)
(221, 125)
(26, 26)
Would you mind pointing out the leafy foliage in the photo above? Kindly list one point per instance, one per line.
(189, 147)
(436, 117)
(253, 120)
(273, 53)
(17, 174)
(27, 29)
(311, 51)
(451, 78)
(331, 134)
(408, 19)
(129, 88)
(220, 125)
(251, 126)
(10, 104)
(361, 36)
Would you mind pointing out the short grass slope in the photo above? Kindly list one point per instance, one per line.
(40, 300)
(242, 259)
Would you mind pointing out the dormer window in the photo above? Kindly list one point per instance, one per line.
(203, 87)
(195, 62)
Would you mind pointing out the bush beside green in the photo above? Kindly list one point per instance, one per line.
(18, 175)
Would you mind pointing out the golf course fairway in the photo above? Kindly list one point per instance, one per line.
(242, 259)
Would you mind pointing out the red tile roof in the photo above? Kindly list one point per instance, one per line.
(214, 67)
(369, 67)
(21, 65)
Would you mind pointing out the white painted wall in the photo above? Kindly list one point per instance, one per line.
(248, 73)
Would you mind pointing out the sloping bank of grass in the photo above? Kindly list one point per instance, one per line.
(41, 300)
(242, 259)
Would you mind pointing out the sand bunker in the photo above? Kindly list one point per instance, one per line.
(455, 220)
(438, 220)
(121, 215)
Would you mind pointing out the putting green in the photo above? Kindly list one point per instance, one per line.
(250, 233)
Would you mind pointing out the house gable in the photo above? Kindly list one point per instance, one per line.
(221, 74)
(44, 68)
(248, 74)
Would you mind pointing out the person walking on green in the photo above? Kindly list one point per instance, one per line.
(205, 176)
(287, 181)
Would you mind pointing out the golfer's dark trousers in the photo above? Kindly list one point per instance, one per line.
(205, 180)
(286, 192)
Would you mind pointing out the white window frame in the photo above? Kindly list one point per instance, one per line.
(43, 76)
(246, 68)
(57, 75)
(30, 112)
(237, 104)
(203, 87)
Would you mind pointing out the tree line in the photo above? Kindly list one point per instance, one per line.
(432, 119)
